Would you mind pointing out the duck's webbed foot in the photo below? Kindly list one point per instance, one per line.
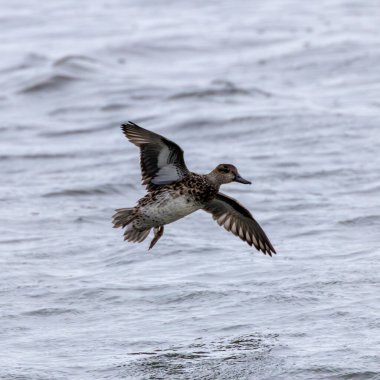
(158, 232)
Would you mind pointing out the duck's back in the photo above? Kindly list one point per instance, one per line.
(172, 202)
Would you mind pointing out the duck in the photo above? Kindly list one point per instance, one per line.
(173, 192)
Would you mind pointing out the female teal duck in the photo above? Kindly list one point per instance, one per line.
(174, 192)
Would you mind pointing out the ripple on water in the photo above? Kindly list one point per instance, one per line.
(98, 190)
(228, 358)
(291, 100)
(50, 82)
(367, 220)
(50, 311)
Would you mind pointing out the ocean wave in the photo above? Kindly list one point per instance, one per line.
(50, 311)
(216, 88)
(367, 220)
(37, 156)
(99, 190)
(231, 357)
(76, 131)
(51, 82)
(76, 62)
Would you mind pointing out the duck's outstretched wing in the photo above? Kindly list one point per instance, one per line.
(234, 217)
(161, 160)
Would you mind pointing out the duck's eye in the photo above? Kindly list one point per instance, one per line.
(224, 170)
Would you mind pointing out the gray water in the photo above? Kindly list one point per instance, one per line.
(288, 91)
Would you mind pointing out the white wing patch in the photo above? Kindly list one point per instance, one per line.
(167, 174)
(162, 159)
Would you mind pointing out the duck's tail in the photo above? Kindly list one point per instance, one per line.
(134, 235)
(123, 218)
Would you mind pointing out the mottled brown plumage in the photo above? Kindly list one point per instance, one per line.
(174, 192)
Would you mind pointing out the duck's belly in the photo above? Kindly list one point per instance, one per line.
(167, 208)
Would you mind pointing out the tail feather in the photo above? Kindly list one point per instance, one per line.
(133, 235)
(144, 235)
(123, 217)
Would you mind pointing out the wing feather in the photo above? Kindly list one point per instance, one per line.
(161, 160)
(234, 217)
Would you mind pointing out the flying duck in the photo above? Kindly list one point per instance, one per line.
(174, 192)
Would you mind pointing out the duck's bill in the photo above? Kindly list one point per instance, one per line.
(239, 178)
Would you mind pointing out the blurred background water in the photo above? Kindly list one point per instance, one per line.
(288, 91)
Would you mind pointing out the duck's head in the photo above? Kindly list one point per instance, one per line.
(226, 173)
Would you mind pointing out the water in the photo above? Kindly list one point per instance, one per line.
(288, 91)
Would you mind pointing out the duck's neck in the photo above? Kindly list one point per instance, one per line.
(214, 179)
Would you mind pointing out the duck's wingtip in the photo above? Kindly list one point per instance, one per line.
(267, 251)
(126, 128)
(129, 124)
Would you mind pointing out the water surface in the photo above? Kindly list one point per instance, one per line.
(287, 91)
